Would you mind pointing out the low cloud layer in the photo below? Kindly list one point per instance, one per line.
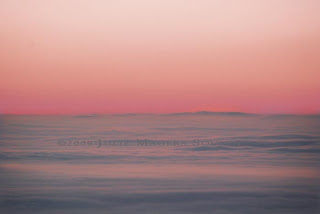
(240, 164)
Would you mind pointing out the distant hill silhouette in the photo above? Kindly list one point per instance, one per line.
(214, 113)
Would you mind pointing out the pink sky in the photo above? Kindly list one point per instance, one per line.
(120, 56)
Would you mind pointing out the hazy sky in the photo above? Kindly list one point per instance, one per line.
(116, 56)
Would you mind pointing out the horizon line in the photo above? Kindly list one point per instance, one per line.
(173, 113)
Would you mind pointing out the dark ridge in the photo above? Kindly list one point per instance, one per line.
(214, 113)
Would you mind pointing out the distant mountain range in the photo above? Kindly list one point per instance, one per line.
(213, 113)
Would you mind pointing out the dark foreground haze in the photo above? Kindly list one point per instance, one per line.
(217, 163)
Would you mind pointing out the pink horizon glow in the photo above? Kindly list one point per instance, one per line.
(74, 57)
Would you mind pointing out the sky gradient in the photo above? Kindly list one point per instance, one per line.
(62, 57)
